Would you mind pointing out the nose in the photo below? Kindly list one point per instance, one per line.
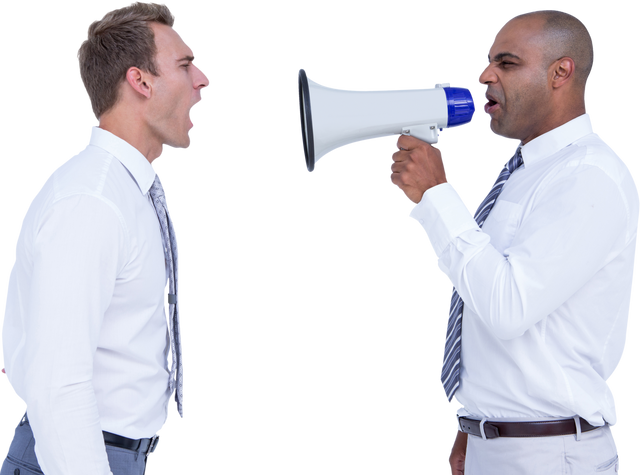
(207, 83)
(203, 82)
(199, 79)
(488, 76)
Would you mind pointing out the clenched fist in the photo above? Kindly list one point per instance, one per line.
(416, 167)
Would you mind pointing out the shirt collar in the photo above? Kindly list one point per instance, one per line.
(556, 139)
(136, 163)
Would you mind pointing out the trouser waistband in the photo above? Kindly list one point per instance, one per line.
(145, 446)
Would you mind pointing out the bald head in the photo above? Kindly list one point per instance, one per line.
(565, 36)
(538, 68)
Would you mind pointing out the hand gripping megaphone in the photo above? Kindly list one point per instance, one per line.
(332, 118)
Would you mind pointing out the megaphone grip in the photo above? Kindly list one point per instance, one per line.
(427, 132)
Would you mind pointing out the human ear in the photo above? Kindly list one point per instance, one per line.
(138, 80)
(562, 71)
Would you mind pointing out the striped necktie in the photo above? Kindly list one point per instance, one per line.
(171, 259)
(451, 366)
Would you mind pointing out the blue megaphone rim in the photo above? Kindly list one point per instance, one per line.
(459, 106)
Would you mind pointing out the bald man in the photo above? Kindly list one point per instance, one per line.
(542, 276)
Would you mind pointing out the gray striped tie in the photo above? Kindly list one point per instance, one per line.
(171, 258)
(451, 366)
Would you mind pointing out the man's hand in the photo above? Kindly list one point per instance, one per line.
(417, 167)
(458, 454)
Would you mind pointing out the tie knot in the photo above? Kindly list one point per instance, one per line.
(156, 190)
(516, 161)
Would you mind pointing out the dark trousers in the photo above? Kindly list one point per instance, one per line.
(20, 457)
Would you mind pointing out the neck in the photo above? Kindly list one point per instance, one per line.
(562, 113)
(134, 133)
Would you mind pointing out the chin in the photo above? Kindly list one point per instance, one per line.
(182, 146)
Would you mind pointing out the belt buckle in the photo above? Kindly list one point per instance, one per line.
(153, 443)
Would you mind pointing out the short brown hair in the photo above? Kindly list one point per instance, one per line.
(121, 40)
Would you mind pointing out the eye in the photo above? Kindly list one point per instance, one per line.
(506, 64)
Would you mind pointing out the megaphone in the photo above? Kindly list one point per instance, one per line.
(342, 117)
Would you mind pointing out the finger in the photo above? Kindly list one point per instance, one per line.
(408, 141)
(400, 156)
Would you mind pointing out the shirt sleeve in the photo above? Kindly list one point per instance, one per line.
(78, 249)
(572, 227)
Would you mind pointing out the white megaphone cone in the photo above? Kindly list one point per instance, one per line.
(332, 118)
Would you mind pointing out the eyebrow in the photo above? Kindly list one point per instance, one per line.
(501, 56)
(186, 58)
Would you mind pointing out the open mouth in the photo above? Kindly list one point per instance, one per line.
(491, 106)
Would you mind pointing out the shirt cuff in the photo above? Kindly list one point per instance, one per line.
(443, 216)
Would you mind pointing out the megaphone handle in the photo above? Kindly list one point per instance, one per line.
(426, 132)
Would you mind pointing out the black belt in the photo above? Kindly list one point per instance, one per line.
(494, 429)
(145, 446)
(131, 444)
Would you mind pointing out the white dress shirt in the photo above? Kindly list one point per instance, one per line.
(546, 282)
(85, 335)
